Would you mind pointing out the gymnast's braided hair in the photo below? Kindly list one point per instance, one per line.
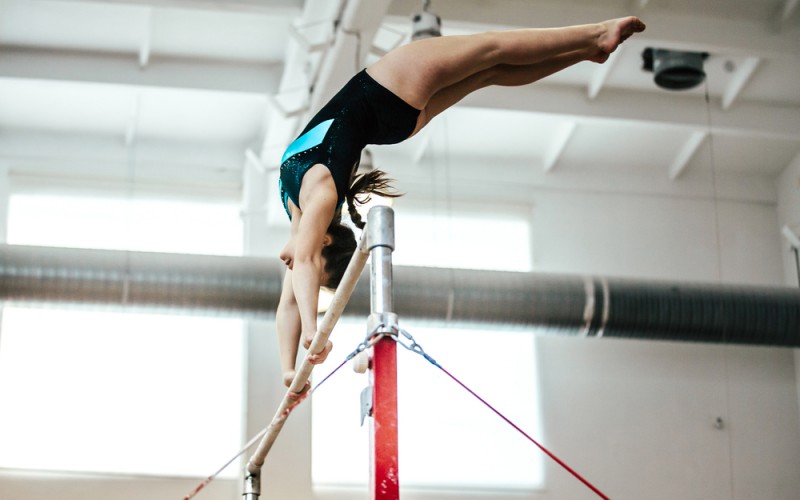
(343, 242)
(362, 188)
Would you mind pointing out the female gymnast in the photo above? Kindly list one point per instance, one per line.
(387, 103)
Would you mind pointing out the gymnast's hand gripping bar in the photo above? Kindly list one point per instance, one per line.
(340, 299)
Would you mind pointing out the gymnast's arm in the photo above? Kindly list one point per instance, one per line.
(297, 308)
(287, 324)
(318, 211)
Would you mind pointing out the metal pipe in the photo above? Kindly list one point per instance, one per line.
(140, 281)
(384, 481)
(252, 485)
(250, 287)
(380, 241)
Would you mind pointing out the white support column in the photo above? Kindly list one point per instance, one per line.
(686, 153)
(743, 75)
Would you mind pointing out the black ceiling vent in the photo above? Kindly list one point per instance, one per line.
(673, 69)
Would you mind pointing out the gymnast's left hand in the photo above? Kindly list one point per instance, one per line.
(320, 357)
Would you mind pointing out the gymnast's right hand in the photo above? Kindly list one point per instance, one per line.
(320, 357)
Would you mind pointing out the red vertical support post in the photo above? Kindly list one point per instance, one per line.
(385, 481)
(384, 459)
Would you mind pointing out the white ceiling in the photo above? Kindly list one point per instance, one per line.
(180, 90)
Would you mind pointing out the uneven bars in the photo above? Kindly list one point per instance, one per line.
(340, 299)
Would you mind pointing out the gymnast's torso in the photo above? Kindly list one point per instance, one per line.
(362, 112)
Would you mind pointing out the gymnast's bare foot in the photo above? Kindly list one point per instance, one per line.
(616, 32)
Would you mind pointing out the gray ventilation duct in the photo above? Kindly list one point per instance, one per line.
(140, 281)
(675, 69)
(250, 288)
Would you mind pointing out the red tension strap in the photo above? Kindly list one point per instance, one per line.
(512, 424)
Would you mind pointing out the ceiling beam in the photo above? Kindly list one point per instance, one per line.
(643, 108)
(132, 127)
(743, 74)
(308, 36)
(559, 143)
(124, 69)
(423, 145)
(147, 37)
(521, 185)
(601, 72)
(281, 7)
(686, 153)
(358, 23)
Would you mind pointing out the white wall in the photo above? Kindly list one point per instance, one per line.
(655, 237)
(788, 185)
(638, 418)
(635, 417)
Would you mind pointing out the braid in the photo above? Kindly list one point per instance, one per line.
(354, 215)
(374, 181)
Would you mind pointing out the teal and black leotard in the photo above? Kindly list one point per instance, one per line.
(362, 112)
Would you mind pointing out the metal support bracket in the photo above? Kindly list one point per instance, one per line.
(366, 403)
(383, 323)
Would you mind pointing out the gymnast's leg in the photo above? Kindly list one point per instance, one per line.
(418, 70)
(506, 75)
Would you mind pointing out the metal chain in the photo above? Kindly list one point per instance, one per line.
(368, 342)
(414, 347)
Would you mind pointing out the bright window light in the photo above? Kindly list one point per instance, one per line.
(104, 392)
(448, 439)
(469, 241)
(125, 224)
(121, 392)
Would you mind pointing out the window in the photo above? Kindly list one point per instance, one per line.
(471, 241)
(439, 421)
(120, 392)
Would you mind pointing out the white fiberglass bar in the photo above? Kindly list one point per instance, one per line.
(340, 299)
